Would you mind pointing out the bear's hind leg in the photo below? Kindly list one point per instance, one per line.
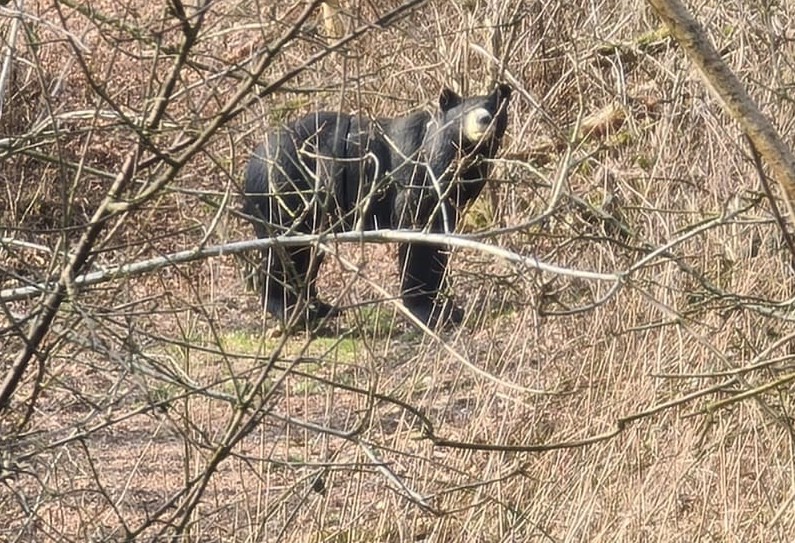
(308, 259)
(290, 282)
(279, 294)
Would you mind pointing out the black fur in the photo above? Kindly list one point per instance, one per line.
(330, 170)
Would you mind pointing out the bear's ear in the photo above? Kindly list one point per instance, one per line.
(504, 91)
(448, 99)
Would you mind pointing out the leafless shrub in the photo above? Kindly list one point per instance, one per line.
(624, 369)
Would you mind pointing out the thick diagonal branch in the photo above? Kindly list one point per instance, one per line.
(727, 87)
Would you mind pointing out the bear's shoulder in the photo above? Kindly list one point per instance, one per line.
(407, 132)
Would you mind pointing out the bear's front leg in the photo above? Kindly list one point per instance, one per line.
(422, 269)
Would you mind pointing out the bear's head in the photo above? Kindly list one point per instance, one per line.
(477, 124)
(463, 131)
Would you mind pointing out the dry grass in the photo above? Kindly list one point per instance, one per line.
(161, 410)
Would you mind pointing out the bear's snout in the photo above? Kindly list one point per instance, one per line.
(478, 124)
(484, 118)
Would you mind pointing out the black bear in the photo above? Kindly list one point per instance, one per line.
(330, 171)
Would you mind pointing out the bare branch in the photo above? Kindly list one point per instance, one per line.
(377, 236)
(692, 37)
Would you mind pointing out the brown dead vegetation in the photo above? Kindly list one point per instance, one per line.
(155, 407)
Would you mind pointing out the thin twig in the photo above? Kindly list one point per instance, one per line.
(8, 59)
